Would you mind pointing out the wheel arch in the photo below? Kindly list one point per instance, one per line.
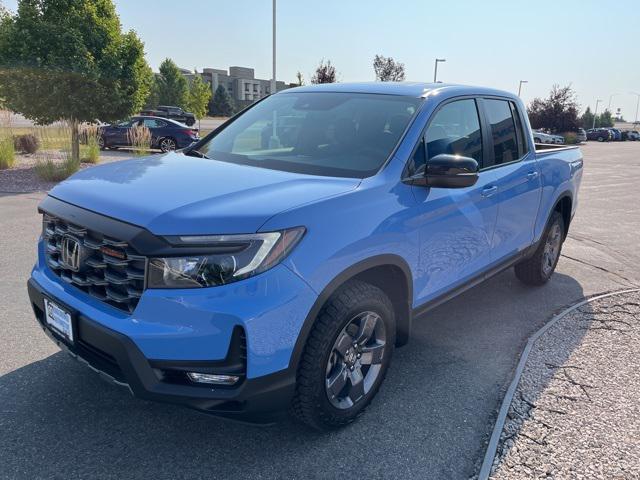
(390, 273)
(564, 205)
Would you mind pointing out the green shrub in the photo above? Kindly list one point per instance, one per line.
(52, 171)
(7, 153)
(570, 138)
(27, 143)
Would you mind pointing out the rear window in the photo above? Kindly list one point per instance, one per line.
(503, 131)
(318, 133)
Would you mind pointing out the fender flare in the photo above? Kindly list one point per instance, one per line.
(403, 325)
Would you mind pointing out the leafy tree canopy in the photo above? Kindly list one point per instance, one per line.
(222, 104)
(173, 88)
(69, 60)
(558, 112)
(325, 73)
(199, 96)
(387, 69)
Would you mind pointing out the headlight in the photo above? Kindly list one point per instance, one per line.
(231, 258)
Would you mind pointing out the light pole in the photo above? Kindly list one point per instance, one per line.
(520, 86)
(595, 114)
(637, 105)
(273, 54)
(435, 70)
(611, 98)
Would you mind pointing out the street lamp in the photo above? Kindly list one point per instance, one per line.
(435, 70)
(595, 114)
(611, 98)
(520, 86)
(273, 54)
(637, 105)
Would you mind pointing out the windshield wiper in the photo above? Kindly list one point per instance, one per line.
(197, 153)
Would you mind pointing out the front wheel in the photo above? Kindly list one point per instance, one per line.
(346, 357)
(538, 269)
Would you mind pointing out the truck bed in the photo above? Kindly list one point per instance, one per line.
(546, 147)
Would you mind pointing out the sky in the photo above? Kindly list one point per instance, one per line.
(591, 44)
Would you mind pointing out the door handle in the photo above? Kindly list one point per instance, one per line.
(489, 191)
(532, 175)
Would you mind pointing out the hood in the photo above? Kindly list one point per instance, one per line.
(176, 194)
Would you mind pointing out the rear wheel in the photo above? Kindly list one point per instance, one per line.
(167, 144)
(601, 139)
(346, 357)
(538, 269)
(101, 143)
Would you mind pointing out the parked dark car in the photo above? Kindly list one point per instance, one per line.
(599, 134)
(173, 113)
(633, 135)
(617, 134)
(166, 134)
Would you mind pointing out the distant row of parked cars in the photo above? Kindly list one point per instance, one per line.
(598, 134)
(612, 134)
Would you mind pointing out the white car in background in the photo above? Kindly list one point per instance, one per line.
(541, 137)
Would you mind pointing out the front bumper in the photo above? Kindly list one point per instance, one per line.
(117, 358)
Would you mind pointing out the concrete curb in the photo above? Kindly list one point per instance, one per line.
(492, 448)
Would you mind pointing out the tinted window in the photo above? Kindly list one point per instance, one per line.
(503, 131)
(334, 134)
(153, 123)
(522, 143)
(455, 129)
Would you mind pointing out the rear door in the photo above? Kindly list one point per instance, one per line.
(513, 161)
(157, 128)
(455, 225)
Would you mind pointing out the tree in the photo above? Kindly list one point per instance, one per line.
(69, 60)
(300, 79)
(199, 96)
(586, 120)
(558, 112)
(387, 69)
(173, 88)
(605, 119)
(325, 73)
(222, 104)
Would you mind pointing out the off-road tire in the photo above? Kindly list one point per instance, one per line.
(311, 404)
(531, 271)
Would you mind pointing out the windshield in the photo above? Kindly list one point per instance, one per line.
(318, 133)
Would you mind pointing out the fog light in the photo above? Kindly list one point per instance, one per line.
(213, 379)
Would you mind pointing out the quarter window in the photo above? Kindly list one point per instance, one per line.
(503, 131)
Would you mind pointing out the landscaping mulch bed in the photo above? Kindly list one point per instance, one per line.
(22, 178)
(576, 412)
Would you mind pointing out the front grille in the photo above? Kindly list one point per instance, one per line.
(109, 269)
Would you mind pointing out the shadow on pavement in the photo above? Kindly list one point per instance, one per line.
(431, 419)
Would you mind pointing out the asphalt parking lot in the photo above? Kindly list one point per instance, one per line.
(431, 419)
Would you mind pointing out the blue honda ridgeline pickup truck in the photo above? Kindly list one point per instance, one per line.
(275, 264)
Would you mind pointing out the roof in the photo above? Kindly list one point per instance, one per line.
(408, 89)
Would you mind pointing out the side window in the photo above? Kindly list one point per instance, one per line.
(523, 145)
(503, 131)
(153, 123)
(455, 129)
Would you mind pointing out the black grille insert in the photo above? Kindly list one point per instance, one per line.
(109, 269)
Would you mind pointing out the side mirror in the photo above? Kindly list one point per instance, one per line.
(447, 171)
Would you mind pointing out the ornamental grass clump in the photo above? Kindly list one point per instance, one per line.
(140, 139)
(90, 151)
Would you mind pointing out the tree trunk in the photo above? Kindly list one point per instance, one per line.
(75, 140)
